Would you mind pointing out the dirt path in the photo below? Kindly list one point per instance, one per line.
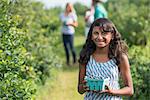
(65, 87)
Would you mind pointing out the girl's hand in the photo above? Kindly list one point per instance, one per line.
(74, 24)
(83, 87)
(107, 90)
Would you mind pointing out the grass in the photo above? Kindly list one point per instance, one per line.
(64, 86)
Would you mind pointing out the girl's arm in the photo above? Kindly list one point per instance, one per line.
(126, 75)
(81, 82)
(74, 24)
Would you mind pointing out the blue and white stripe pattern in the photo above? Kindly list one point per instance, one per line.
(97, 70)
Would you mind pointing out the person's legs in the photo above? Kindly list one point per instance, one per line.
(65, 42)
(71, 44)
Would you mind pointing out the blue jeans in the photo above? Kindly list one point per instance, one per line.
(69, 46)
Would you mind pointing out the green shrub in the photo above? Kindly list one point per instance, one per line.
(139, 60)
(132, 19)
(27, 51)
(16, 78)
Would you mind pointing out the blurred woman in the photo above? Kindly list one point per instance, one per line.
(69, 22)
(100, 11)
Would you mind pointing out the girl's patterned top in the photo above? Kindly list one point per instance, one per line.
(98, 70)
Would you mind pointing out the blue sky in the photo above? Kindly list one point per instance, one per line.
(62, 3)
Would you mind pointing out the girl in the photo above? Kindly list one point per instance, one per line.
(104, 55)
(69, 22)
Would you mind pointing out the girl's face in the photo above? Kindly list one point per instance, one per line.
(69, 8)
(100, 38)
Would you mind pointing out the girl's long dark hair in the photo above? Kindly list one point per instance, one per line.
(116, 47)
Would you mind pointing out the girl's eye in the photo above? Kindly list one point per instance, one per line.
(95, 33)
(104, 33)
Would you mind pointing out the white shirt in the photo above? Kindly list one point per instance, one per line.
(70, 18)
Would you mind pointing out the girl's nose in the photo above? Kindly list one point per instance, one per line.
(100, 36)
